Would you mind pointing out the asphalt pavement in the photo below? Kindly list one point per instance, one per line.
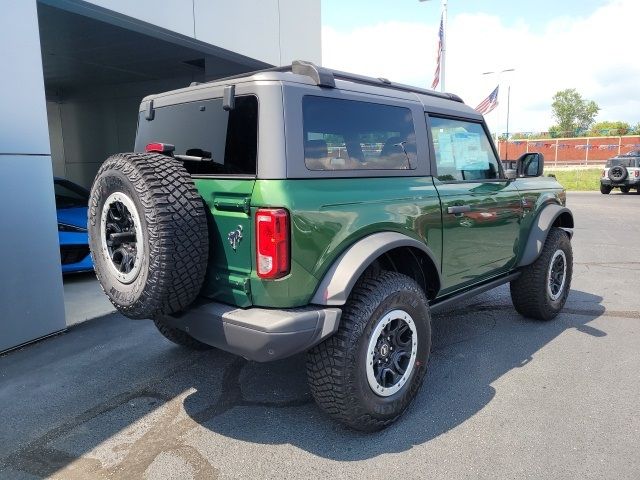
(504, 397)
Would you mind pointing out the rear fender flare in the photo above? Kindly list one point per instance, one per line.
(540, 229)
(337, 283)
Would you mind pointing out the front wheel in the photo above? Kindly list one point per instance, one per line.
(541, 290)
(368, 373)
(605, 189)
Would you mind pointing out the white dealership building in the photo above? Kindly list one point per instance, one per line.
(74, 73)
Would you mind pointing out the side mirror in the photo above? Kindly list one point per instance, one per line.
(511, 174)
(530, 165)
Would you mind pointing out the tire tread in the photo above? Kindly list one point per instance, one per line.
(330, 380)
(177, 230)
(528, 291)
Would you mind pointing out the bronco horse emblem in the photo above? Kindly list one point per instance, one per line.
(234, 237)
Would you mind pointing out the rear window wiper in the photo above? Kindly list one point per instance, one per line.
(192, 158)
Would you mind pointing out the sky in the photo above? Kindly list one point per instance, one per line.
(589, 45)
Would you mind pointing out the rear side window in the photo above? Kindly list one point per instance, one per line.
(463, 151)
(352, 135)
(226, 141)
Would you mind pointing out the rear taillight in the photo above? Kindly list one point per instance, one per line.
(272, 242)
(164, 148)
(603, 172)
(636, 173)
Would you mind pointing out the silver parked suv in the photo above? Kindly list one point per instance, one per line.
(623, 172)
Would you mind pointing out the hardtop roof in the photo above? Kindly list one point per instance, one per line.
(340, 80)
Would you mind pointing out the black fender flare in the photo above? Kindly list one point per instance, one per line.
(540, 229)
(336, 285)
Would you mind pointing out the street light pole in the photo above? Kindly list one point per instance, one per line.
(444, 43)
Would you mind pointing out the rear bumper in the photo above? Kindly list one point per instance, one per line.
(627, 182)
(258, 334)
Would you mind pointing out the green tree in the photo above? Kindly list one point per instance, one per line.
(609, 129)
(635, 130)
(555, 131)
(572, 113)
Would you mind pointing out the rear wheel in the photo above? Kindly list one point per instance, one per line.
(148, 234)
(368, 373)
(605, 189)
(541, 290)
(624, 189)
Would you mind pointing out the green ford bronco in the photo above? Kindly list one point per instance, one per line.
(301, 209)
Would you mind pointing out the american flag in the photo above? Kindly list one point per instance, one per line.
(436, 76)
(488, 103)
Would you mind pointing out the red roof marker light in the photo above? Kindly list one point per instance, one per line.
(164, 148)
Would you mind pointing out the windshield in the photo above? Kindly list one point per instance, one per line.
(70, 195)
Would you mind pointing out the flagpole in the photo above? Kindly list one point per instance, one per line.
(444, 43)
(443, 49)
(500, 72)
(506, 145)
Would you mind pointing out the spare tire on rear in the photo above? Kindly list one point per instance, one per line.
(148, 234)
(618, 173)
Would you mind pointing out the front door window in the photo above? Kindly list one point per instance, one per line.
(463, 150)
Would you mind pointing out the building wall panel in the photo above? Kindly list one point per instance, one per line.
(23, 115)
(175, 15)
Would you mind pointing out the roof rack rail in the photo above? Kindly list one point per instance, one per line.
(384, 82)
(325, 77)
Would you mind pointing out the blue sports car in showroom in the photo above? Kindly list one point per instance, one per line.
(71, 206)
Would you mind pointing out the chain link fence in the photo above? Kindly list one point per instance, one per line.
(571, 151)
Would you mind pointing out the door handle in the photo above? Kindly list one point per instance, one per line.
(484, 194)
(459, 209)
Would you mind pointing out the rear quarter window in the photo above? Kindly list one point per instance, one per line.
(353, 135)
(226, 140)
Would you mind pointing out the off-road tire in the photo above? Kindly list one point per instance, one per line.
(336, 368)
(529, 291)
(625, 189)
(624, 173)
(179, 337)
(175, 244)
(605, 189)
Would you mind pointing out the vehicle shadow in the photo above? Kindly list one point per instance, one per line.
(473, 346)
(149, 396)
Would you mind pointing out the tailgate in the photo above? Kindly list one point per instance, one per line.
(230, 238)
